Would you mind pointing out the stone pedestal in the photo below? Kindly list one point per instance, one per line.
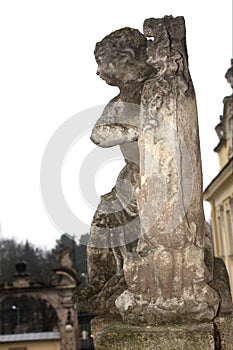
(224, 328)
(114, 335)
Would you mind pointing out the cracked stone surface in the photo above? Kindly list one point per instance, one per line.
(167, 277)
(150, 254)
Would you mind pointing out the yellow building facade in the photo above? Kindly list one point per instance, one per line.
(220, 191)
(31, 341)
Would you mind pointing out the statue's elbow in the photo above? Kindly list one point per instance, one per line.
(98, 140)
(94, 139)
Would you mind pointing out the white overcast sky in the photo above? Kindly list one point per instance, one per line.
(48, 74)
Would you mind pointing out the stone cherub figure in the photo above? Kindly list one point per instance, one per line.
(169, 269)
(172, 276)
(115, 229)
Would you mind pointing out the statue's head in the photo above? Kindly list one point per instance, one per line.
(229, 74)
(121, 57)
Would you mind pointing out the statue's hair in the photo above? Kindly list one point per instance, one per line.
(121, 41)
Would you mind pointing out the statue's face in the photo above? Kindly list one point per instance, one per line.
(108, 70)
(121, 57)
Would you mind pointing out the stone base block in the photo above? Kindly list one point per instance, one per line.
(224, 329)
(114, 335)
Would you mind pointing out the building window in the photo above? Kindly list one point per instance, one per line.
(230, 132)
(231, 206)
(229, 231)
(231, 272)
(220, 237)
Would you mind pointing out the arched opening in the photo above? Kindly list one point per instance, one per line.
(25, 314)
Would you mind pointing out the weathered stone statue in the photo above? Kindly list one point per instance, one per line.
(224, 129)
(121, 58)
(172, 276)
(150, 255)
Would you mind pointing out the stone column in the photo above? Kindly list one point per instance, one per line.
(167, 277)
(67, 320)
(68, 331)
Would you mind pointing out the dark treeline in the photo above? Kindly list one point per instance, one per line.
(25, 313)
(40, 262)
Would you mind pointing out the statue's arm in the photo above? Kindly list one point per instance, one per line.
(108, 135)
(117, 125)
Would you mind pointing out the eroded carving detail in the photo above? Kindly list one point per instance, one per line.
(167, 278)
(121, 58)
(150, 256)
(224, 129)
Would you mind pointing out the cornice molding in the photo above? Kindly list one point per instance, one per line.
(219, 180)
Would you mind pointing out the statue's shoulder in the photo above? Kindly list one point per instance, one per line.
(108, 115)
